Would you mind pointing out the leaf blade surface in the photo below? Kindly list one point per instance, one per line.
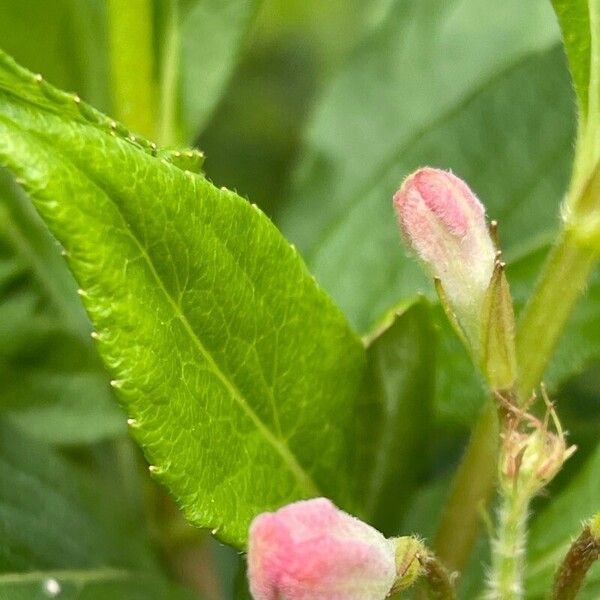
(239, 373)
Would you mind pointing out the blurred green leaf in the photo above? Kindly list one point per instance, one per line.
(395, 415)
(292, 49)
(579, 404)
(91, 584)
(53, 516)
(64, 40)
(171, 60)
(553, 530)
(239, 373)
(53, 384)
(57, 523)
(212, 34)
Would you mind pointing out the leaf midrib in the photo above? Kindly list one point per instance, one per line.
(304, 479)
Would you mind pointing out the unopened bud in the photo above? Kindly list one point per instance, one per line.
(444, 223)
(311, 549)
(531, 454)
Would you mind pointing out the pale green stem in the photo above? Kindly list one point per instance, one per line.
(169, 80)
(471, 490)
(562, 281)
(130, 26)
(508, 549)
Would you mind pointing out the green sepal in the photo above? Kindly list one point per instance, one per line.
(409, 549)
(497, 353)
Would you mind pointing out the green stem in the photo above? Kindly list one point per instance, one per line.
(169, 78)
(563, 279)
(508, 549)
(471, 490)
(130, 26)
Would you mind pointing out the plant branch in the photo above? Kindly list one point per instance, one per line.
(562, 281)
(508, 549)
(582, 554)
(437, 576)
(130, 26)
(169, 76)
(472, 488)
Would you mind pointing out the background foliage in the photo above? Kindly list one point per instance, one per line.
(314, 111)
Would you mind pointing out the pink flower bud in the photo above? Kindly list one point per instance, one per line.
(312, 550)
(444, 223)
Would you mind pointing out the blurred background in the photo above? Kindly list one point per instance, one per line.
(315, 111)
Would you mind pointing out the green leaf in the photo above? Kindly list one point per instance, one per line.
(91, 584)
(53, 383)
(553, 530)
(239, 374)
(212, 34)
(197, 46)
(57, 523)
(580, 24)
(65, 40)
(53, 516)
(395, 414)
(253, 137)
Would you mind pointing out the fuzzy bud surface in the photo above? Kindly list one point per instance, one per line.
(311, 549)
(444, 224)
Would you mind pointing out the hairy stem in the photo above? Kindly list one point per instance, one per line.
(582, 554)
(130, 26)
(508, 549)
(562, 281)
(471, 490)
(438, 578)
